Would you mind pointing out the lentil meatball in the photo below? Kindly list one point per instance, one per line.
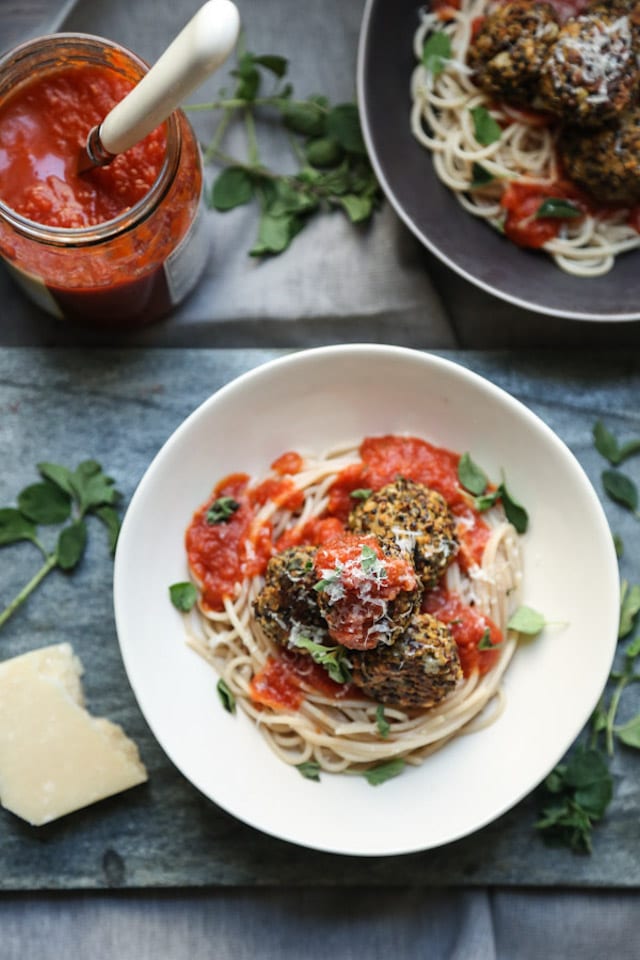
(288, 600)
(607, 163)
(419, 670)
(415, 518)
(368, 590)
(510, 48)
(591, 73)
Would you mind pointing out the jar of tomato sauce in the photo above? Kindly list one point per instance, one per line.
(117, 245)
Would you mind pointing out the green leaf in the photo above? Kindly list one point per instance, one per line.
(248, 77)
(274, 234)
(232, 188)
(333, 659)
(305, 117)
(629, 733)
(91, 487)
(485, 642)
(382, 723)
(558, 208)
(276, 65)
(605, 443)
(628, 449)
(44, 503)
(221, 510)
(343, 125)
(436, 50)
(310, 770)
(526, 620)
(629, 608)
(618, 543)
(109, 517)
(485, 128)
(585, 767)
(71, 545)
(14, 527)
(480, 177)
(288, 195)
(516, 513)
(487, 500)
(362, 493)
(384, 771)
(594, 798)
(471, 476)
(620, 488)
(357, 208)
(227, 698)
(61, 476)
(324, 152)
(183, 596)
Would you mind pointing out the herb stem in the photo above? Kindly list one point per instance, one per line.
(218, 136)
(48, 565)
(611, 712)
(239, 103)
(254, 154)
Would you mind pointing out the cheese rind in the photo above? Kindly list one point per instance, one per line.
(54, 756)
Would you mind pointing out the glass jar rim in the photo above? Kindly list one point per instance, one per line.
(107, 229)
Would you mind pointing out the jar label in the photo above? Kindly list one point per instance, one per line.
(35, 289)
(184, 265)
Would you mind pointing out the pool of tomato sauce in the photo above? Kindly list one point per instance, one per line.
(219, 559)
(521, 200)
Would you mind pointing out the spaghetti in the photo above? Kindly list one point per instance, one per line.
(333, 726)
(442, 120)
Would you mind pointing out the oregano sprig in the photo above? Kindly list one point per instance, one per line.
(334, 172)
(63, 496)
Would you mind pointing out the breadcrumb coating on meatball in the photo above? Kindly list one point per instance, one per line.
(591, 73)
(414, 517)
(288, 601)
(510, 48)
(605, 164)
(418, 671)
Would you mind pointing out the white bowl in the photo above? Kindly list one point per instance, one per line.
(315, 399)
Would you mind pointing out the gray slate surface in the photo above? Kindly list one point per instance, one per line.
(119, 407)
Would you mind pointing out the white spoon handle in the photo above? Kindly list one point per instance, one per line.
(199, 49)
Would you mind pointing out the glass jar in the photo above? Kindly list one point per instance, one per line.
(133, 267)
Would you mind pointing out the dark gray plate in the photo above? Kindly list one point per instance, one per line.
(404, 168)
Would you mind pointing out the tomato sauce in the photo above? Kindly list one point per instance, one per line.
(385, 458)
(222, 554)
(281, 682)
(42, 131)
(362, 585)
(522, 200)
(468, 627)
(119, 245)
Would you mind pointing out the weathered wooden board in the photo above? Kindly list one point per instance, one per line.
(119, 407)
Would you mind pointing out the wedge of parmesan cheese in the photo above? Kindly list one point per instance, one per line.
(54, 756)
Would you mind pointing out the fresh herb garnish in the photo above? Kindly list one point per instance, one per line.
(333, 659)
(436, 51)
(334, 172)
(471, 476)
(610, 448)
(515, 512)
(227, 698)
(310, 770)
(579, 793)
(486, 129)
(485, 642)
(362, 493)
(328, 581)
(221, 510)
(371, 563)
(382, 723)
(183, 596)
(629, 608)
(558, 208)
(64, 496)
(384, 771)
(618, 543)
(621, 488)
(528, 621)
(480, 176)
